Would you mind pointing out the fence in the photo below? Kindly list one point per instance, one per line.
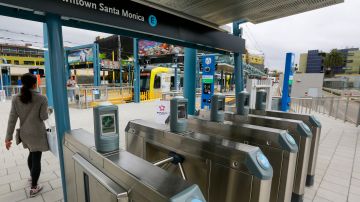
(150, 95)
(86, 96)
(90, 96)
(9, 91)
(343, 108)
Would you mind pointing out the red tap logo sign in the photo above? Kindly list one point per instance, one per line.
(162, 108)
(162, 111)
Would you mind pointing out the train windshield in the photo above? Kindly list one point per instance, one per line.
(144, 82)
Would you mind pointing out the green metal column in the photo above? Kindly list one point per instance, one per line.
(49, 93)
(238, 69)
(190, 79)
(136, 72)
(119, 60)
(222, 81)
(58, 85)
(238, 75)
(96, 65)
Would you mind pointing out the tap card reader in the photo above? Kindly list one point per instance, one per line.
(178, 114)
(217, 108)
(106, 128)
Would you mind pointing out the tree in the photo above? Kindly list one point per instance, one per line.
(332, 60)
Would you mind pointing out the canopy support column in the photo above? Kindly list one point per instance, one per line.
(58, 85)
(136, 72)
(190, 79)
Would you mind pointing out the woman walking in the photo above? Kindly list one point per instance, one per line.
(32, 110)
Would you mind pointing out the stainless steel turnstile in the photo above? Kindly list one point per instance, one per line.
(223, 169)
(118, 176)
(315, 127)
(301, 134)
(278, 146)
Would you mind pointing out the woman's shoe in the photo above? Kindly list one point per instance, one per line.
(35, 191)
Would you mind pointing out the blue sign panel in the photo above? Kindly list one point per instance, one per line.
(208, 72)
(288, 81)
(152, 21)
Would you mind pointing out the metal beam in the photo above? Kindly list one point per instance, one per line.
(58, 85)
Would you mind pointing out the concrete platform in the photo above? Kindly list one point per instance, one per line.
(337, 171)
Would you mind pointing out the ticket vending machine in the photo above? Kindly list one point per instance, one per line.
(207, 87)
(106, 128)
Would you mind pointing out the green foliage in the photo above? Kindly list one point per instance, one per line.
(102, 55)
(332, 60)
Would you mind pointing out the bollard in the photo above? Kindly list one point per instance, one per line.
(217, 108)
(244, 103)
(260, 103)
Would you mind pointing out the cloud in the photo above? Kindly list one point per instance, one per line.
(324, 29)
(32, 32)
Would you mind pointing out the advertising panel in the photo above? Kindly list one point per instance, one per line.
(156, 48)
(80, 56)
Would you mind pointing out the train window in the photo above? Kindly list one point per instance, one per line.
(28, 62)
(144, 83)
(157, 82)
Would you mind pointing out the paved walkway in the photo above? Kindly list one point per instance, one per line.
(338, 166)
(337, 173)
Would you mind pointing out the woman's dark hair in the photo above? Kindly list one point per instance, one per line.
(28, 81)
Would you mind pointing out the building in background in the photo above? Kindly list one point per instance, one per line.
(256, 60)
(22, 59)
(312, 62)
(353, 62)
(302, 63)
(315, 61)
(22, 55)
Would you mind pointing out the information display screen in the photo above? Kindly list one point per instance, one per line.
(221, 105)
(181, 111)
(108, 126)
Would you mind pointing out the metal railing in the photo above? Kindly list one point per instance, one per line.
(9, 91)
(90, 96)
(343, 108)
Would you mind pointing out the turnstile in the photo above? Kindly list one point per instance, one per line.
(310, 120)
(278, 146)
(300, 131)
(315, 127)
(118, 176)
(301, 134)
(223, 169)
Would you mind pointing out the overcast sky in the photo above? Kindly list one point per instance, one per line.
(337, 26)
(324, 29)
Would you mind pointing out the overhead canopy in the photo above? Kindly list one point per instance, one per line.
(220, 12)
(127, 18)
